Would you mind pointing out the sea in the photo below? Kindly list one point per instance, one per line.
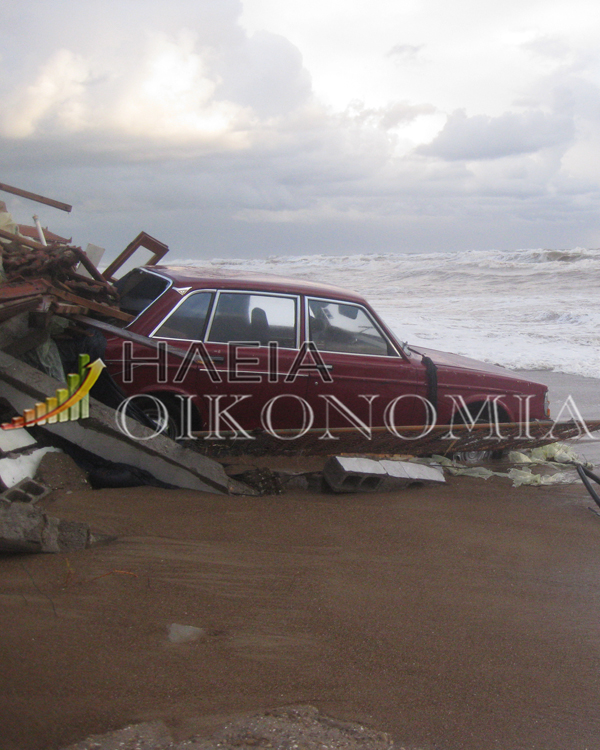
(523, 309)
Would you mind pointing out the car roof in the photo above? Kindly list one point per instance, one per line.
(201, 277)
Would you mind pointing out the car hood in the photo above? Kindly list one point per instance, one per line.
(445, 359)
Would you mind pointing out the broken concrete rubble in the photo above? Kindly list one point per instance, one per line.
(100, 434)
(58, 471)
(25, 528)
(15, 468)
(347, 474)
(278, 729)
(41, 286)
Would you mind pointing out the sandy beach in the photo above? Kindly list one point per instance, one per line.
(463, 616)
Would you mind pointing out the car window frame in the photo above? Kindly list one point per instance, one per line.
(165, 290)
(178, 305)
(257, 293)
(397, 355)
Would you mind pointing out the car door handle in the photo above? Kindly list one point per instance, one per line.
(324, 367)
(217, 358)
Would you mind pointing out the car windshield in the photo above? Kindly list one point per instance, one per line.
(341, 327)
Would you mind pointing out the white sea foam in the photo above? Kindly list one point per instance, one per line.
(524, 309)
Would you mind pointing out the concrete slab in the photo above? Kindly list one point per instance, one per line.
(412, 471)
(100, 434)
(14, 440)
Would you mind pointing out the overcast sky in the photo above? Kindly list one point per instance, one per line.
(246, 128)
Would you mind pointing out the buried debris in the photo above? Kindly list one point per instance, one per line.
(184, 633)
(345, 474)
(25, 528)
(551, 456)
(277, 729)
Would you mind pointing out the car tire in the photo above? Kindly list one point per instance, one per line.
(476, 457)
(151, 409)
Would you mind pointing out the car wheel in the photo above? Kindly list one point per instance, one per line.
(476, 457)
(152, 409)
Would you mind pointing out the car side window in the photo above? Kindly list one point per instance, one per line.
(243, 316)
(342, 327)
(188, 320)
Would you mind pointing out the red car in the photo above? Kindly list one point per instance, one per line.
(250, 351)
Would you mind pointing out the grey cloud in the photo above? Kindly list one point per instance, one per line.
(264, 72)
(405, 51)
(553, 47)
(300, 179)
(484, 137)
(100, 77)
(389, 117)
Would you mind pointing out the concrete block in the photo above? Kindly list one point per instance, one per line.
(26, 491)
(21, 528)
(100, 434)
(345, 474)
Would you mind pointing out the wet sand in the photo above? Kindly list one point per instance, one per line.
(465, 616)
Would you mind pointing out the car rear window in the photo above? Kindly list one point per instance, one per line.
(138, 289)
(188, 320)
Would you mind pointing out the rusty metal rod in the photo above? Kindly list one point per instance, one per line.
(90, 267)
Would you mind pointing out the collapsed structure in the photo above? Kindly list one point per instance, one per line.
(50, 293)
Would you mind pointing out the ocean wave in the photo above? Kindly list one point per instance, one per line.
(524, 309)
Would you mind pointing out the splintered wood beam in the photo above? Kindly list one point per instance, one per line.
(16, 307)
(19, 239)
(35, 197)
(106, 310)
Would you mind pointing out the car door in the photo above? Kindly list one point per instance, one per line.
(252, 338)
(371, 378)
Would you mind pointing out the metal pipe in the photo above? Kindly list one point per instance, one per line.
(40, 231)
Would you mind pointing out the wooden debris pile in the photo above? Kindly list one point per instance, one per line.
(44, 279)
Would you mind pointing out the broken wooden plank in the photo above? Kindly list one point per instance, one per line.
(22, 240)
(18, 289)
(155, 344)
(106, 310)
(90, 267)
(142, 240)
(35, 197)
(16, 307)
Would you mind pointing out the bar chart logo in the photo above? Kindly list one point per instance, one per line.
(69, 404)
